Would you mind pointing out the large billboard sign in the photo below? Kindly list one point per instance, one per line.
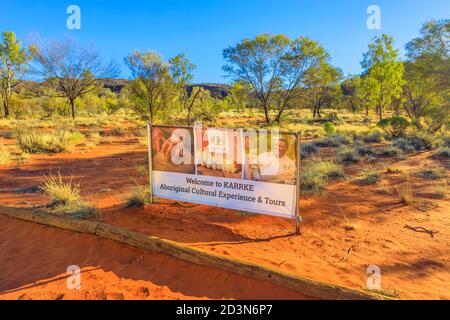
(242, 169)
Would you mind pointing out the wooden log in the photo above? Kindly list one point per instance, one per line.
(180, 251)
(78, 225)
(305, 286)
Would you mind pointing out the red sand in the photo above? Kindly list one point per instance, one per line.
(34, 260)
(346, 229)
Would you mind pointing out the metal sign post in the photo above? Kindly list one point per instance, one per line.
(150, 160)
(298, 218)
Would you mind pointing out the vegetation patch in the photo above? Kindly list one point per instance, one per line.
(316, 175)
(347, 155)
(65, 198)
(334, 140)
(32, 141)
(139, 196)
(368, 176)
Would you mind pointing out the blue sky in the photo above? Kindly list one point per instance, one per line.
(202, 29)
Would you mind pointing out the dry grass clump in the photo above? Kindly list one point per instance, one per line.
(390, 151)
(139, 196)
(369, 176)
(334, 140)
(375, 136)
(443, 152)
(405, 193)
(32, 141)
(5, 156)
(433, 173)
(440, 191)
(347, 155)
(65, 198)
(318, 173)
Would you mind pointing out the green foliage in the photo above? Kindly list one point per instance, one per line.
(347, 155)
(334, 140)
(315, 176)
(329, 128)
(13, 63)
(274, 66)
(373, 137)
(384, 72)
(32, 141)
(395, 126)
(308, 149)
(443, 152)
(369, 176)
(390, 151)
(416, 141)
(65, 198)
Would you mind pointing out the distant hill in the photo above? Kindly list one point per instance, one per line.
(217, 90)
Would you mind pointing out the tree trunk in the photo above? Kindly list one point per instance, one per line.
(189, 116)
(267, 115)
(72, 105)
(6, 107)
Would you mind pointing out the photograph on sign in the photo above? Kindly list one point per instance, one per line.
(242, 169)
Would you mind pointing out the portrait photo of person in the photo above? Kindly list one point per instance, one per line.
(276, 164)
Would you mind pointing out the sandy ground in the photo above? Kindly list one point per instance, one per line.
(346, 228)
(34, 260)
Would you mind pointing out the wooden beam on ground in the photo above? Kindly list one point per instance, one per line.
(183, 252)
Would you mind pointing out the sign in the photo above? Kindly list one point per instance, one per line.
(242, 169)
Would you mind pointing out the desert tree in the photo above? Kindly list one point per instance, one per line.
(151, 85)
(181, 72)
(384, 72)
(239, 95)
(427, 81)
(71, 69)
(274, 67)
(321, 82)
(13, 63)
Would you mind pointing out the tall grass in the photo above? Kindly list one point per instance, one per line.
(65, 198)
(316, 175)
(57, 141)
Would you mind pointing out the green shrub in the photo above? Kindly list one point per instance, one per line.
(390, 151)
(58, 141)
(308, 149)
(364, 151)
(334, 140)
(328, 169)
(347, 155)
(369, 176)
(445, 141)
(329, 128)
(432, 173)
(443, 152)
(373, 137)
(417, 141)
(315, 176)
(395, 126)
